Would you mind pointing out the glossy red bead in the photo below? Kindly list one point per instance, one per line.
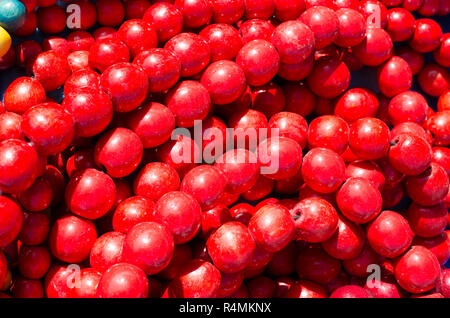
(260, 61)
(323, 22)
(323, 170)
(51, 70)
(231, 247)
(418, 270)
(123, 281)
(136, 249)
(162, 67)
(71, 238)
(223, 40)
(380, 234)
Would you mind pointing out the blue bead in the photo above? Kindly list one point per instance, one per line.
(12, 14)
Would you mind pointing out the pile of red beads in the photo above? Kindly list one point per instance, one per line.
(179, 162)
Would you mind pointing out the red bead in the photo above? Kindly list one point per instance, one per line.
(323, 170)
(410, 154)
(153, 123)
(375, 48)
(347, 242)
(272, 227)
(110, 12)
(78, 60)
(434, 79)
(71, 238)
(241, 168)
(427, 221)
(9, 59)
(394, 77)
(315, 265)
(149, 246)
(290, 125)
(389, 234)
(104, 33)
(438, 245)
(88, 15)
(132, 211)
(262, 188)
(315, 220)
(107, 251)
(51, 69)
(126, 84)
(37, 197)
(138, 35)
(23, 93)
(324, 23)
(109, 152)
(213, 219)
(55, 284)
(225, 82)
(198, 279)
(441, 156)
(418, 270)
(369, 138)
(27, 288)
(352, 27)
(294, 41)
(428, 188)
(123, 281)
(288, 10)
(107, 52)
(166, 19)
(279, 157)
(328, 132)
(35, 228)
(135, 9)
(427, 36)
(268, 99)
(374, 12)
(49, 126)
(296, 92)
(401, 24)
(442, 54)
(438, 125)
(260, 61)
(329, 78)
(91, 108)
(11, 220)
(179, 206)
(51, 20)
(255, 29)
(359, 200)
(223, 40)
(90, 194)
(407, 107)
(196, 13)
(87, 285)
(34, 261)
(162, 67)
(192, 51)
(350, 291)
(206, 184)
(412, 5)
(228, 11)
(231, 247)
(81, 78)
(189, 101)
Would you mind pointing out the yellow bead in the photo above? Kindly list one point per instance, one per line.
(5, 41)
